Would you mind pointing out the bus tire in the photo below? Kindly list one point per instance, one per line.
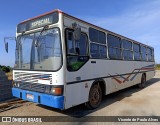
(95, 97)
(143, 82)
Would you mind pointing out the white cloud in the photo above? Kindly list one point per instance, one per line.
(140, 22)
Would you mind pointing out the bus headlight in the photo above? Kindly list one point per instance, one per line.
(16, 84)
(47, 89)
(56, 91)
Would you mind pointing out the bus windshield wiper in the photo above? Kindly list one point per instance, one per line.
(37, 40)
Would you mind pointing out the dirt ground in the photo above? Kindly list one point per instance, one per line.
(128, 102)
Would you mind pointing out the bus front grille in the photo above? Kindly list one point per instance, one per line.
(31, 77)
(33, 87)
(29, 81)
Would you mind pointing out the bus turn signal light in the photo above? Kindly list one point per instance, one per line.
(56, 91)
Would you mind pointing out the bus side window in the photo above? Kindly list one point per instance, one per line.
(76, 46)
(127, 50)
(77, 51)
(137, 54)
(70, 43)
(143, 53)
(150, 54)
(114, 45)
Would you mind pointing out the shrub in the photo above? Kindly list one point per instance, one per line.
(157, 66)
(5, 68)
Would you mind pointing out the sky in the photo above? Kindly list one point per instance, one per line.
(135, 19)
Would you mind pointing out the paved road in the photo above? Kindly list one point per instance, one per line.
(129, 102)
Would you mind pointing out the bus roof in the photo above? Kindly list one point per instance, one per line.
(59, 11)
(56, 10)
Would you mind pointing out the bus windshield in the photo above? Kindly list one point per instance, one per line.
(39, 52)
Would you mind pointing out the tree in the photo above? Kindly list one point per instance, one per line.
(5, 68)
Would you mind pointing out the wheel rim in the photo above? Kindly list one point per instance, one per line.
(95, 96)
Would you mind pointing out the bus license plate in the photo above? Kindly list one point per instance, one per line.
(30, 96)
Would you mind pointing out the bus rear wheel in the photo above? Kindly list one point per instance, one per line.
(143, 82)
(95, 97)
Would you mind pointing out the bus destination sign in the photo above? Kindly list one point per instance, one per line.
(41, 22)
(38, 22)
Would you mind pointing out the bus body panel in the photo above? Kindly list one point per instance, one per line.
(116, 74)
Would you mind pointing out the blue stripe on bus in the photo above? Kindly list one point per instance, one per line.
(41, 98)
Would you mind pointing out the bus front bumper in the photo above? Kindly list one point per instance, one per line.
(41, 98)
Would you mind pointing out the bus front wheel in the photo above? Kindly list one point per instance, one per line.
(95, 97)
(143, 82)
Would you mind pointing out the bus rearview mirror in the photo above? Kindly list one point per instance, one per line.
(6, 43)
(6, 46)
(77, 34)
(77, 31)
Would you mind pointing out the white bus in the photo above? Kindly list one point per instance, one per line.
(62, 61)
